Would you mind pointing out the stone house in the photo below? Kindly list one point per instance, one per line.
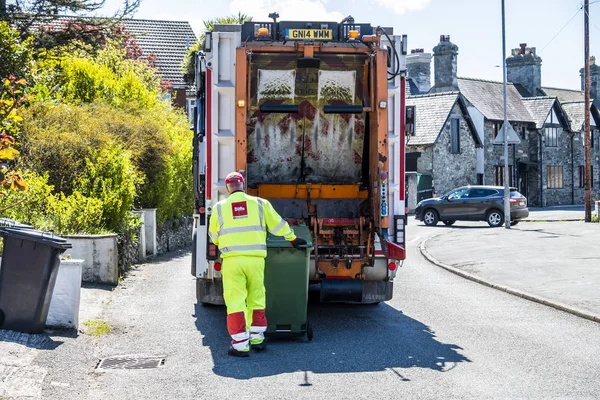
(442, 140)
(550, 151)
(547, 164)
(560, 141)
(486, 97)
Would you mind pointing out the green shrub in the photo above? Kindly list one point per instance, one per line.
(59, 139)
(110, 78)
(75, 214)
(110, 178)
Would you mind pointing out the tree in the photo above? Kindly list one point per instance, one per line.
(209, 25)
(45, 20)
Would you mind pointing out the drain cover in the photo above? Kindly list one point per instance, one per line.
(130, 363)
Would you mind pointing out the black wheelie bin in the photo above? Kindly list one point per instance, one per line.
(30, 262)
(286, 283)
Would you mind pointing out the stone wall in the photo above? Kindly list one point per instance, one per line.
(411, 198)
(425, 160)
(579, 153)
(128, 248)
(453, 170)
(557, 156)
(174, 234)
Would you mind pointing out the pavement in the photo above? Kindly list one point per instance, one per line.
(553, 258)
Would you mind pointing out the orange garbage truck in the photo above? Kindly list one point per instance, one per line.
(313, 114)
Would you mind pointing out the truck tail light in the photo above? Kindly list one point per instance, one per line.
(217, 266)
(392, 266)
(212, 250)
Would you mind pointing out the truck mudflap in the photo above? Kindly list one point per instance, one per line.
(210, 292)
(355, 291)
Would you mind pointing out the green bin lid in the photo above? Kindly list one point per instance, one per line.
(300, 231)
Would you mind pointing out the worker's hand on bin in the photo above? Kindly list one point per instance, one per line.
(298, 242)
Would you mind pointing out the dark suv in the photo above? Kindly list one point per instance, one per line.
(473, 203)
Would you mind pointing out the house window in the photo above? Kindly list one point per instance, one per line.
(410, 121)
(496, 129)
(190, 110)
(499, 175)
(523, 133)
(455, 135)
(555, 177)
(581, 169)
(551, 136)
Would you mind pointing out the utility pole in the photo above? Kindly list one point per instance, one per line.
(587, 147)
(505, 129)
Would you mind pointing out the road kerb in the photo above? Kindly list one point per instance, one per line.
(527, 296)
(554, 220)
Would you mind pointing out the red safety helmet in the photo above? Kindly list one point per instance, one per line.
(234, 177)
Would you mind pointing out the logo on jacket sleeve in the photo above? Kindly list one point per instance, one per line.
(239, 210)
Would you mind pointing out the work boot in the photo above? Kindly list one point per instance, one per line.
(237, 353)
(259, 346)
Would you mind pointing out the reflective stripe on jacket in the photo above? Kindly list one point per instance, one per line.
(239, 225)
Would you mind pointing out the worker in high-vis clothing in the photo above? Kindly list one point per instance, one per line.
(239, 226)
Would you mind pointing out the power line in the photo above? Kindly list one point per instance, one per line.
(588, 14)
(559, 32)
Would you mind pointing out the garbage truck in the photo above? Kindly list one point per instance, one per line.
(312, 113)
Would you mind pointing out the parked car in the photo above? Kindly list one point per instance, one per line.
(472, 203)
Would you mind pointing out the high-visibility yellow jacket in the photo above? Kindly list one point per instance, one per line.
(239, 225)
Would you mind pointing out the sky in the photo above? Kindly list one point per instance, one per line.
(554, 27)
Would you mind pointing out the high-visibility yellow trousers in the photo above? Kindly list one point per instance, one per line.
(244, 293)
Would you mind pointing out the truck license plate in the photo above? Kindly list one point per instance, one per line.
(309, 34)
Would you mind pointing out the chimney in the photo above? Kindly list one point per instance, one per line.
(594, 80)
(525, 67)
(418, 65)
(445, 56)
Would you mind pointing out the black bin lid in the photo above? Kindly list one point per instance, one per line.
(34, 235)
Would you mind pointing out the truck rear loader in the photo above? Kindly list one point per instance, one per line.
(313, 114)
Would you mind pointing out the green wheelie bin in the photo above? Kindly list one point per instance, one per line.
(286, 283)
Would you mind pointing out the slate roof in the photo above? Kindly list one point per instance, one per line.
(576, 114)
(431, 113)
(488, 98)
(168, 40)
(564, 95)
(539, 108)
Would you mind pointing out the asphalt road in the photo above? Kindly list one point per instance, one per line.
(440, 337)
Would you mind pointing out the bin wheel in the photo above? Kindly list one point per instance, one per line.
(309, 331)
(1, 318)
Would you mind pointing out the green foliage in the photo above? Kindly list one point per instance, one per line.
(110, 78)
(95, 140)
(16, 56)
(110, 178)
(74, 214)
(158, 143)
